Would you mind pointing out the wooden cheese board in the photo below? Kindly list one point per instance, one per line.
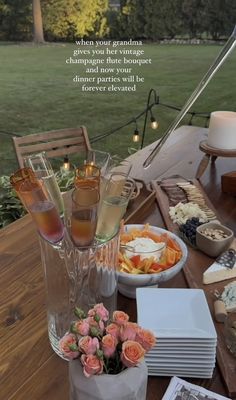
(196, 264)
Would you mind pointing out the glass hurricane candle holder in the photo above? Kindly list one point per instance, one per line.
(77, 277)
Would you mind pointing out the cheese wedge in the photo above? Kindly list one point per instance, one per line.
(229, 297)
(217, 272)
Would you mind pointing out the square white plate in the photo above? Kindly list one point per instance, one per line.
(182, 340)
(167, 353)
(189, 374)
(183, 361)
(175, 313)
(187, 343)
(185, 365)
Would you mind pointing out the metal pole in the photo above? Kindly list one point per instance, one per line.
(146, 114)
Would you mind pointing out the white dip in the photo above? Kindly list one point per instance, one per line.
(145, 247)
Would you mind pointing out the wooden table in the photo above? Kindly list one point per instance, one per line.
(29, 369)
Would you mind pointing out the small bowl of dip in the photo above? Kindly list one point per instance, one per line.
(144, 247)
(148, 255)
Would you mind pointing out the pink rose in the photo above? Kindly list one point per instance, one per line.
(82, 327)
(92, 365)
(88, 345)
(92, 323)
(66, 345)
(113, 330)
(109, 343)
(132, 353)
(120, 317)
(99, 310)
(128, 331)
(146, 339)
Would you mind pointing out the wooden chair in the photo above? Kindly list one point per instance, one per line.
(55, 143)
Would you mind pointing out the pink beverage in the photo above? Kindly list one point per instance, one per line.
(48, 221)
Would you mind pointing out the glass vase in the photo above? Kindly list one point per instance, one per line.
(77, 277)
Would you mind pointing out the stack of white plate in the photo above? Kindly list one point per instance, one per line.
(185, 334)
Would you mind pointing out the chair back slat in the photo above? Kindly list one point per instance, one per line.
(54, 143)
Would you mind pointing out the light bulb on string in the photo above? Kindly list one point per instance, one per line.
(154, 123)
(136, 135)
(66, 164)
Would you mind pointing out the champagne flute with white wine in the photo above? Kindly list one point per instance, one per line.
(113, 206)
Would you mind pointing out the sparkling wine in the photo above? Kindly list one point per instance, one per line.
(53, 189)
(110, 215)
(83, 227)
(48, 221)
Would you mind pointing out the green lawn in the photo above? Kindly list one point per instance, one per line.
(37, 93)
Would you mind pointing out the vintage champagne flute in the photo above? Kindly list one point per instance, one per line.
(113, 206)
(20, 176)
(43, 211)
(98, 158)
(84, 207)
(87, 175)
(116, 165)
(43, 170)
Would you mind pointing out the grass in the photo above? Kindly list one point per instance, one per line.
(37, 93)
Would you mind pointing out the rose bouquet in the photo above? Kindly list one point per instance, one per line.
(105, 345)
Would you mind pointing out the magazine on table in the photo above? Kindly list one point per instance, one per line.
(179, 389)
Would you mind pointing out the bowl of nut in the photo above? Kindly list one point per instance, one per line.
(213, 238)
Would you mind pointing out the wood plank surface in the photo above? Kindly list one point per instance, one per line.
(29, 368)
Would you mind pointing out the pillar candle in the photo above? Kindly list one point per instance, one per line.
(222, 130)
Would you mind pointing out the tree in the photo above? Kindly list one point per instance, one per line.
(219, 17)
(38, 22)
(162, 18)
(15, 20)
(193, 17)
(68, 19)
(131, 19)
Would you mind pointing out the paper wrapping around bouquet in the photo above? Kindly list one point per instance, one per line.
(222, 130)
(130, 384)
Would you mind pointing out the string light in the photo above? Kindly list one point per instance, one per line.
(66, 164)
(136, 136)
(154, 123)
(113, 130)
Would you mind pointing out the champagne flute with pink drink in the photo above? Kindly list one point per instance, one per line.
(43, 211)
(43, 170)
